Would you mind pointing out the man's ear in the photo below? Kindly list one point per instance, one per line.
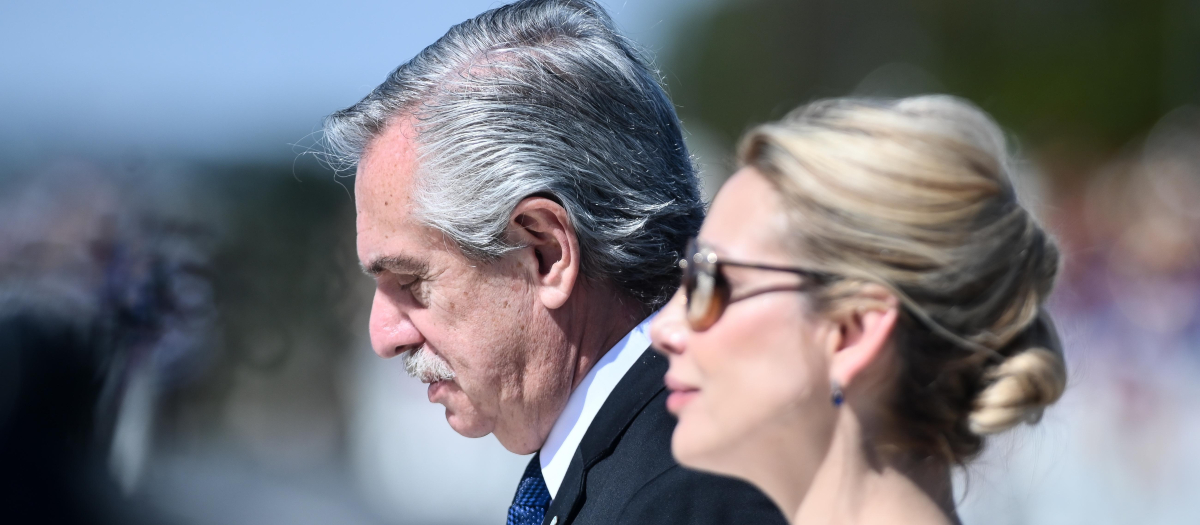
(550, 250)
(864, 333)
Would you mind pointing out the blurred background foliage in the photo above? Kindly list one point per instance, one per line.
(1074, 79)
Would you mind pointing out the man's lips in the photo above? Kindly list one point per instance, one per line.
(681, 394)
(436, 388)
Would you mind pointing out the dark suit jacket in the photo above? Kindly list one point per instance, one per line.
(623, 473)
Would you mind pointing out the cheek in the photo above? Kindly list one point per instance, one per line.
(478, 327)
(758, 367)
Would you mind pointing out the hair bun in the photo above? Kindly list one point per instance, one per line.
(1018, 390)
(916, 195)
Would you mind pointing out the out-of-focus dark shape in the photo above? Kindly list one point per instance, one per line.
(264, 434)
(101, 290)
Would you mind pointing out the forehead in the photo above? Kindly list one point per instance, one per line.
(746, 220)
(387, 226)
(388, 167)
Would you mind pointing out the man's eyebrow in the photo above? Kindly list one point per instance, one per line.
(396, 264)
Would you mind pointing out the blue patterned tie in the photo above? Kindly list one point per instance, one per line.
(532, 499)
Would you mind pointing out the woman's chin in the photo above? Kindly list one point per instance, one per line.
(695, 452)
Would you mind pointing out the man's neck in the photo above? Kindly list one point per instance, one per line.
(608, 341)
(599, 318)
(593, 321)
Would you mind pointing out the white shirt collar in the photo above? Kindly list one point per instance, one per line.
(585, 403)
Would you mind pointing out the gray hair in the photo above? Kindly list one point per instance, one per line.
(542, 97)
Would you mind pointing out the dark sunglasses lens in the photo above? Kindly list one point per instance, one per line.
(706, 292)
(702, 308)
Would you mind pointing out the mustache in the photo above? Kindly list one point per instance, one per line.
(427, 366)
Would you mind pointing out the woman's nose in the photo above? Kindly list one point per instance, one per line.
(669, 331)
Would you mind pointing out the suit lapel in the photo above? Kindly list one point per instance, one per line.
(563, 506)
(641, 383)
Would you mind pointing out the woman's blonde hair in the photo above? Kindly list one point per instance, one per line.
(915, 194)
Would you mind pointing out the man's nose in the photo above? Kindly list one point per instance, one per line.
(392, 330)
(669, 331)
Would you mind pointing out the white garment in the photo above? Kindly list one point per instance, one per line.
(585, 402)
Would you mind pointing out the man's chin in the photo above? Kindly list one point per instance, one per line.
(460, 414)
(465, 427)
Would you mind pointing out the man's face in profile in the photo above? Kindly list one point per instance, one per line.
(481, 338)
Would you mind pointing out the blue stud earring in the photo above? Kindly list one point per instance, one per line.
(837, 397)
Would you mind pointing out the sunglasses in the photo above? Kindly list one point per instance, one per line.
(707, 289)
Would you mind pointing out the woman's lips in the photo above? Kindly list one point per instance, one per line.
(679, 399)
(681, 395)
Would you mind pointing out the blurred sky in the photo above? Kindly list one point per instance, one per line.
(220, 79)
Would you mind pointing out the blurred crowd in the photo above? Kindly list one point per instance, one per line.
(1121, 447)
(105, 299)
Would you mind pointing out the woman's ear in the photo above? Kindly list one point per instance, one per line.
(549, 249)
(865, 332)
